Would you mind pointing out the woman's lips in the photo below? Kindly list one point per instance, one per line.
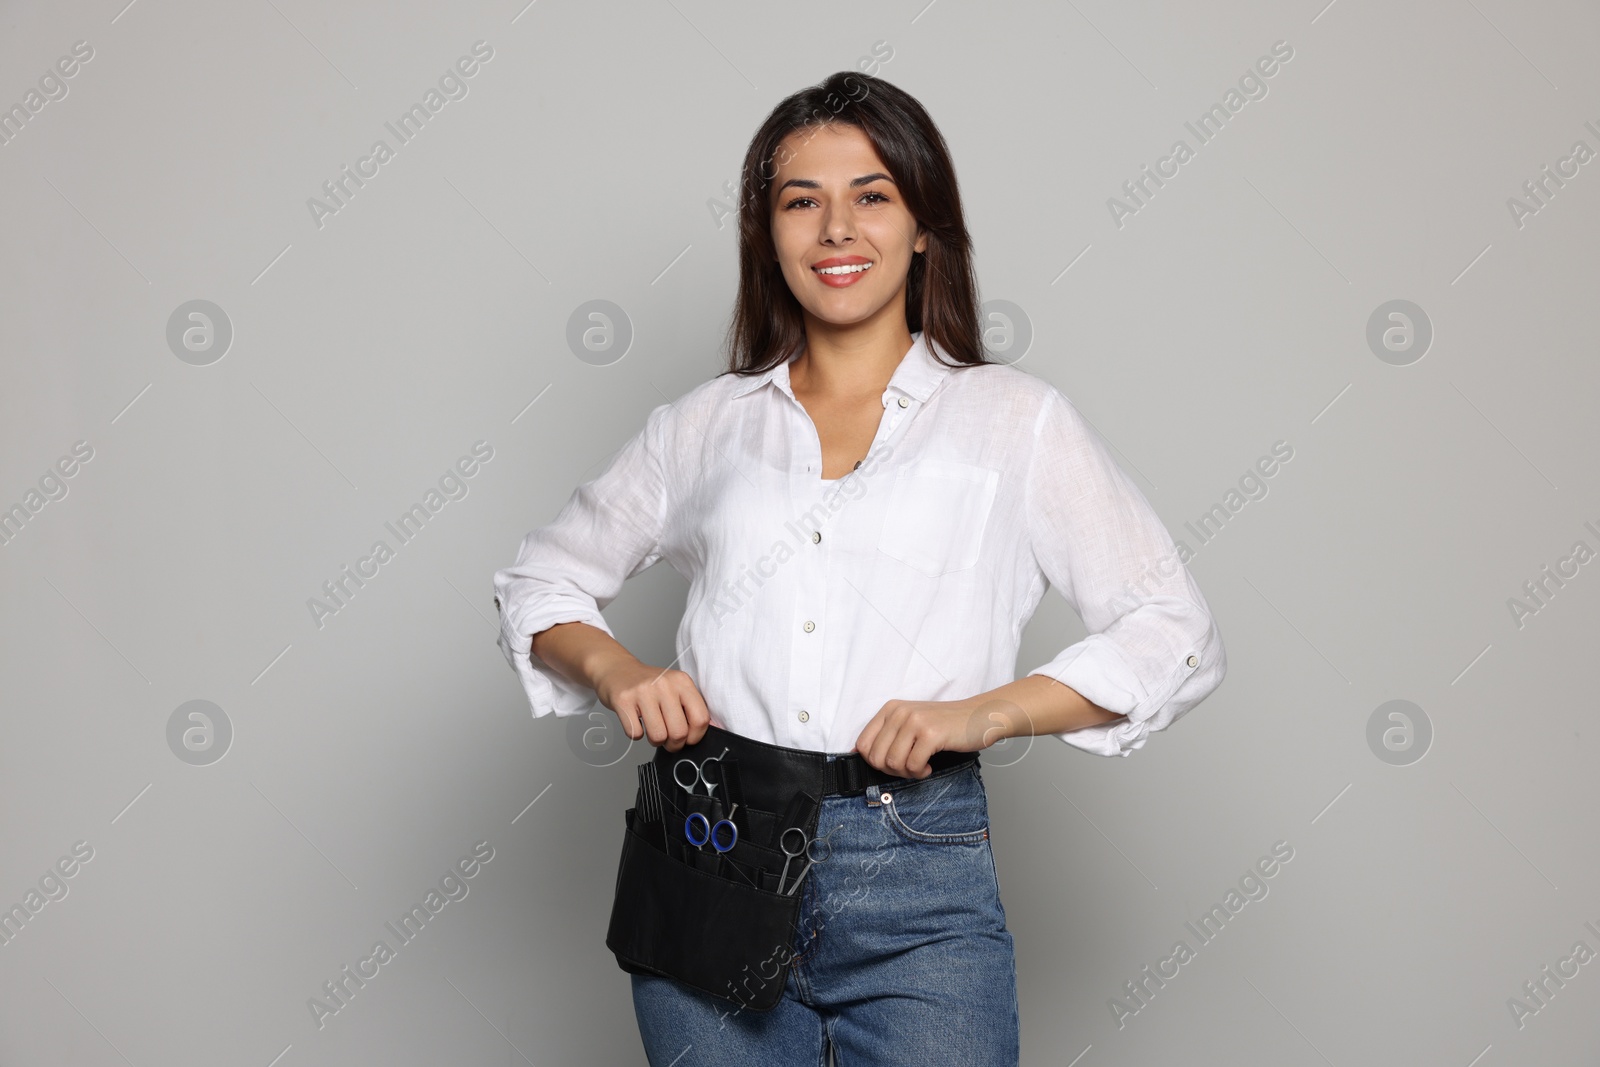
(849, 276)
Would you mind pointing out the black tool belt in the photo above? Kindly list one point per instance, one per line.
(722, 915)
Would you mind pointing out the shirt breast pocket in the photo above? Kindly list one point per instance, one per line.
(935, 514)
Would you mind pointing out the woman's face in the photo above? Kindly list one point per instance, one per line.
(834, 205)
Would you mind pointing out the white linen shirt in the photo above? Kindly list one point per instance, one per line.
(812, 603)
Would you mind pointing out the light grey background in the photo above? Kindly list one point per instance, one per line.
(370, 753)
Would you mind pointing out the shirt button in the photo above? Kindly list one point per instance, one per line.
(904, 402)
(816, 536)
(810, 626)
(1193, 661)
(804, 716)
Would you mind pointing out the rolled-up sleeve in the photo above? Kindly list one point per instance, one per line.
(1153, 650)
(570, 570)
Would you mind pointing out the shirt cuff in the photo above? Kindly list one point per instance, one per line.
(548, 692)
(1096, 669)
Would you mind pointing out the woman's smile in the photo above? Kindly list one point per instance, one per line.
(841, 271)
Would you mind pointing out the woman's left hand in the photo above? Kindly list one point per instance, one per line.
(904, 734)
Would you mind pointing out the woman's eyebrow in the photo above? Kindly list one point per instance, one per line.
(812, 183)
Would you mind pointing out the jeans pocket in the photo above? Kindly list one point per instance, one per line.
(946, 809)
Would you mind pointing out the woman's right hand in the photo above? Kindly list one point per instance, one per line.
(664, 705)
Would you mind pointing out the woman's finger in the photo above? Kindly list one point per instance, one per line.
(655, 727)
(630, 722)
(697, 713)
(869, 733)
(675, 722)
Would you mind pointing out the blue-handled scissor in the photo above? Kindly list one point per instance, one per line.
(699, 829)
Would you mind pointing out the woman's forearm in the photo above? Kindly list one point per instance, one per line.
(1038, 704)
(580, 653)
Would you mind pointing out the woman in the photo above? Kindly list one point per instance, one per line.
(868, 512)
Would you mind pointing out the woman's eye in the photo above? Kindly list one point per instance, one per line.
(800, 200)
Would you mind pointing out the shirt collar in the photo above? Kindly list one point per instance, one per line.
(917, 375)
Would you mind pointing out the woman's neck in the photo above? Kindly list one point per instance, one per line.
(854, 361)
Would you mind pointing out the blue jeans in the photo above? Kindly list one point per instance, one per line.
(903, 956)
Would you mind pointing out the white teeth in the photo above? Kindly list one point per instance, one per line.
(854, 269)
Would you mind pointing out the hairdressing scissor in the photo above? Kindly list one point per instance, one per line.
(699, 830)
(698, 774)
(806, 847)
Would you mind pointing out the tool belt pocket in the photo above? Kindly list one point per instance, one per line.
(722, 935)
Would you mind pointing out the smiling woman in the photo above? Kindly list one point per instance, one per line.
(914, 501)
(897, 185)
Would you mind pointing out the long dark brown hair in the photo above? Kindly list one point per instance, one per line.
(768, 327)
